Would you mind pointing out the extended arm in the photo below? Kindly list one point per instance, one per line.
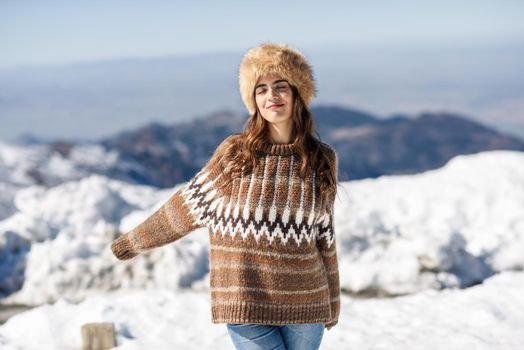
(170, 222)
(184, 212)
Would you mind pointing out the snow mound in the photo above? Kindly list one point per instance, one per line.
(449, 227)
(58, 243)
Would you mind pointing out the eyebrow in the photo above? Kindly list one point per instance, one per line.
(275, 82)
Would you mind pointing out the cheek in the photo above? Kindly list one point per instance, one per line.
(290, 102)
(259, 101)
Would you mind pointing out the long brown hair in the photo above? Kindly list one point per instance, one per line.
(310, 149)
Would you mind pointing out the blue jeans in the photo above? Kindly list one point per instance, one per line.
(303, 336)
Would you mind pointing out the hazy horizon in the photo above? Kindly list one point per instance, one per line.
(73, 69)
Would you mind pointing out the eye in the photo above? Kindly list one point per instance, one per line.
(260, 91)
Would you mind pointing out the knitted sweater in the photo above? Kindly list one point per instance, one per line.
(273, 257)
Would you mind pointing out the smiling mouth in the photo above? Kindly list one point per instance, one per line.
(275, 106)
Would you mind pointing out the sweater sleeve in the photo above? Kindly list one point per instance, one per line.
(185, 211)
(327, 246)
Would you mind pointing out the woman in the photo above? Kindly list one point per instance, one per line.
(267, 198)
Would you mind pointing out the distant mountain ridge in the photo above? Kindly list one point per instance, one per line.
(367, 146)
(370, 147)
(164, 155)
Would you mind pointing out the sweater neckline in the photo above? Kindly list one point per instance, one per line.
(281, 149)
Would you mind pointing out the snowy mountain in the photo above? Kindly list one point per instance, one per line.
(418, 240)
(41, 164)
(445, 228)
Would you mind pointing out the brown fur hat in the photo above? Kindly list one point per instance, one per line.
(279, 59)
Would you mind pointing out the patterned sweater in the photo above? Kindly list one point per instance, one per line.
(273, 257)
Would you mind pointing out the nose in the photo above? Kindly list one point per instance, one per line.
(273, 93)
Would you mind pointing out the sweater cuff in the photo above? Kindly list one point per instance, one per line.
(122, 248)
(331, 324)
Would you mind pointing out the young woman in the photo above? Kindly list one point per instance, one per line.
(267, 197)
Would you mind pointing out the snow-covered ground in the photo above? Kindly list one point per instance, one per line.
(421, 235)
(484, 317)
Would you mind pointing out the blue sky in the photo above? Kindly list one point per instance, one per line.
(41, 32)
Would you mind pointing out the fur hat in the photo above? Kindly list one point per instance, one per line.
(279, 59)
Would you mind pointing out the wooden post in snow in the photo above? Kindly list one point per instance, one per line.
(98, 336)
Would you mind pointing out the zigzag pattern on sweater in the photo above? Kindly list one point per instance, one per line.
(222, 214)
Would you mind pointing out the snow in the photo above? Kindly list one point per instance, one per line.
(445, 246)
(453, 226)
(38, 164)
(484, 317)
(65, 232)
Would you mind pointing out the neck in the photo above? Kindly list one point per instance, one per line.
(280, 134)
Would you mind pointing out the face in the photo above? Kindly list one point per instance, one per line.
(274, 99)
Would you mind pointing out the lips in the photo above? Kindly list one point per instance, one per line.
(275, 106)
